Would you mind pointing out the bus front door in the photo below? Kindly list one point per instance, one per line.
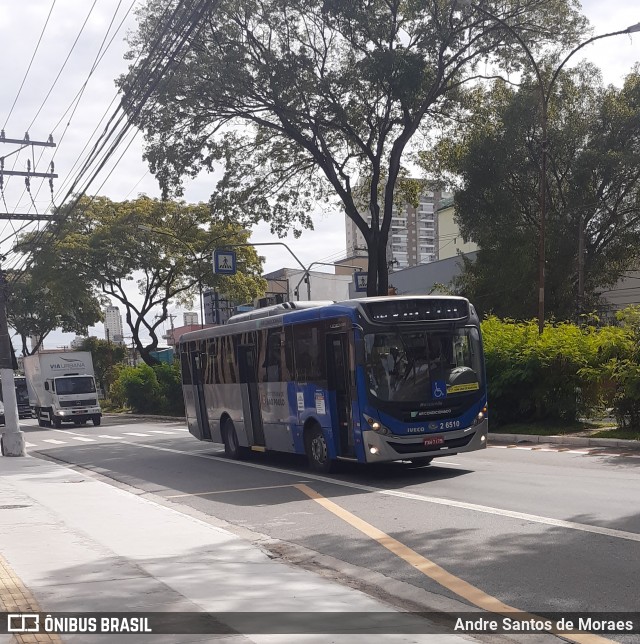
(248, 371)
(339, 381)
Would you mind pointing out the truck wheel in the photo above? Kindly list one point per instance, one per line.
(96, 421)
(57, 423)
(317, 450)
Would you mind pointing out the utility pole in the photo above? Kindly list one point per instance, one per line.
(12, 440)
(28, 174)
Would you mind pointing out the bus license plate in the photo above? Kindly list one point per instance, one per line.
(433, 440)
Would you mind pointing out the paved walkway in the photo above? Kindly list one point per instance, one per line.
(71, 543)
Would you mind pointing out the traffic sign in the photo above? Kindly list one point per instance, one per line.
(360, 282)
(224, 262)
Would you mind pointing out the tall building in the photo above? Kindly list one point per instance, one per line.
(190, 318)
(113, 324)
(413, 235)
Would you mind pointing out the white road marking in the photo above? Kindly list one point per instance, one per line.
(54, 441)
(533, 518)
(115, 438)
(135, 434)
(82, 438)
(30, 445)
(161, 431)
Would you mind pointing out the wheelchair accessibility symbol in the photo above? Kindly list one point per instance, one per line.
(438, 389)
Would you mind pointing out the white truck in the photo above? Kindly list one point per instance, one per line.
(62, 388)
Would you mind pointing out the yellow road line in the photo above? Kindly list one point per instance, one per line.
(432, 570)
(245, 489)
(16, 598)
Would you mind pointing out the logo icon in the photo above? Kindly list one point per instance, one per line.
(23, 623)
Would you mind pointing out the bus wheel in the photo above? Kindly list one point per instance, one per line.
(421, 461)
(317, 451)
(232, 448)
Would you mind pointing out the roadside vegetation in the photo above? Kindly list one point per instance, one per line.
(549, 382)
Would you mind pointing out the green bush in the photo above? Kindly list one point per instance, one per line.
(170, 383)
(149, 390)
(559, 375)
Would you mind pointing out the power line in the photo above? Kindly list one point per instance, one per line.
(64, 64)
(162, 54)
(30, 63)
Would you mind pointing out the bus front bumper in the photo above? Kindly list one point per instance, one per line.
(381, 448)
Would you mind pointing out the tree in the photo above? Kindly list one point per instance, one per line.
(45, 298)
(105, 355)
(304, 102)
(593, 192)
(104, 243)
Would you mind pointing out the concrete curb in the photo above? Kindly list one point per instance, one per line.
(575, 441)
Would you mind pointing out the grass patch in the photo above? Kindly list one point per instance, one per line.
(548, 428)
(621, 434)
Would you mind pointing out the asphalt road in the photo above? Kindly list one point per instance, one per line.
(539, 531)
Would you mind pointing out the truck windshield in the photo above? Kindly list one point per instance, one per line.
(414, 366)
(22, 393)
(75, 385)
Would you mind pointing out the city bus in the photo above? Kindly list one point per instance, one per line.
(367, 380)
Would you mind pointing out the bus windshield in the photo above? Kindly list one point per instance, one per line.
(416, 366)
(75, 385)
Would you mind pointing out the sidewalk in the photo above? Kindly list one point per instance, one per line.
(71, 543)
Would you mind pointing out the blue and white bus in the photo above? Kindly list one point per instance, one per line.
(368, 380)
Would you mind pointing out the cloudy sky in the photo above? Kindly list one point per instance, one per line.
(58, 64)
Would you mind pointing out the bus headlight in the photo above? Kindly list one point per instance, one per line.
(376, 425)
(482, 414)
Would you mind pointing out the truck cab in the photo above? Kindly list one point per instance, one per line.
(73, 399)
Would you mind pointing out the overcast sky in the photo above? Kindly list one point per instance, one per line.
(56, 92)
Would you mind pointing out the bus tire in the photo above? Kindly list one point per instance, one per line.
(421, 461)
(317, 450)
(232, 448)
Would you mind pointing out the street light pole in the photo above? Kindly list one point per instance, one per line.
(545, 97)
(308, 276)
(304, 269)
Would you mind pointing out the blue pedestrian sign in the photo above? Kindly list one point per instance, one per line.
(360, 280)
(224, 262)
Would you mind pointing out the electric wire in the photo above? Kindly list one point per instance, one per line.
(29, 67)
(160, 59)
(64, 64)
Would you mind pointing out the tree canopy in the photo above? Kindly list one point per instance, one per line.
(593, 191)
(304, 101)
(44, 298)
(106, 356)
(163, 247)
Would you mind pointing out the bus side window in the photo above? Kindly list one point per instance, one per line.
(309, 355)
(273, 359)
(185, 366)
(208, 365)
